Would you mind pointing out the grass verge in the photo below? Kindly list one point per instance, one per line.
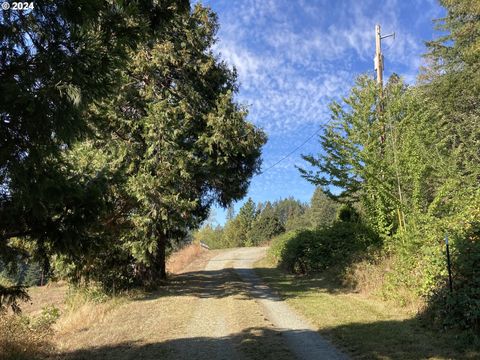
(363, 326)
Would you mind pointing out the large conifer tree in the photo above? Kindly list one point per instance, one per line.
(177, 143)
(56, 61)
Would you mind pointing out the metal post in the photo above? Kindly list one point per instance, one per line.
(449, 265)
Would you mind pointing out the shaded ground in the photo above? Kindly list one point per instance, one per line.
(217, 309)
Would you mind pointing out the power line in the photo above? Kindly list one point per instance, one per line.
(296, 149)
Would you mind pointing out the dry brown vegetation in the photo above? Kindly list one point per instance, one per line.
(24, 337)
(36, 335)
(180, 260)
(52, 294)
(29, 336)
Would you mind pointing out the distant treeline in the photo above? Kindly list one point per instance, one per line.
(257, 223)
(24, 273)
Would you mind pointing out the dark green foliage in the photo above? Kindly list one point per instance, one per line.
(172, 144)
(461, 308)
(306, 251)
(323, 210)
(10, 297)
(288, 209)
(55, 63)
(255, 224)
(451, 86)
(234, 234)
(266, 226)
(24, 273)
(347, 213)
(119, 130)
(247, 214)
(34, 275)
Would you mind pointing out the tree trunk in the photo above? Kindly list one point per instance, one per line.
(160, 257)
(152, 274)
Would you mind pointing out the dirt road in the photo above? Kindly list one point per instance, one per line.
(217, 309)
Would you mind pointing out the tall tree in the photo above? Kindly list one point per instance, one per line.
(289, 208)
(179, 141)
(56, 61)
(265, 226)
(451, 83)
(246, 216)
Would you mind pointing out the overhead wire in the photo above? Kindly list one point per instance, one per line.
(322, 126)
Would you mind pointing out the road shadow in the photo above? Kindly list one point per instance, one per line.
(266, 344)
(245, 283)
(389, 339)
(251, 343)
(326, 282)
(241, 283)
(400, 340)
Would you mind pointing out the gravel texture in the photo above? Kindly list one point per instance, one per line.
(216, 309)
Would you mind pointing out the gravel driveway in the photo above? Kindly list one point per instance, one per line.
(217, 309)
(213, 317)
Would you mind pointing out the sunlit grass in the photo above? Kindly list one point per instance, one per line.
(364, 326)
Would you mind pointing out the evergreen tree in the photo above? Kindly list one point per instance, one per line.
(288, 209)
(322, 209)
(233, 234)
(246, 216)
(34, 275)
(173, 145)
(265, 227)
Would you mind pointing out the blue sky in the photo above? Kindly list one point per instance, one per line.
(294, 57)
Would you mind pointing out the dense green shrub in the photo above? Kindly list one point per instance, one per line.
(347, 213)
(306, 251)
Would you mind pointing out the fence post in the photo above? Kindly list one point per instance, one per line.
(449, 265)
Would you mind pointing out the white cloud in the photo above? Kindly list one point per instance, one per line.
(289, 71)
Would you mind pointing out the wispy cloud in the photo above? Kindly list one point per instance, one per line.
(289, 71)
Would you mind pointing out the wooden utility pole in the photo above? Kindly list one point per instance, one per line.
(378, 64)
(378, 61)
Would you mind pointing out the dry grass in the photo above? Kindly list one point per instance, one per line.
(29, 336)
(179, 260)
(24, 338)
(82, 317)
(52, 294)
(368, 279)
(89, 320)
(146, 322)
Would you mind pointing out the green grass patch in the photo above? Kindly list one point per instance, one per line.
(364, 327)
